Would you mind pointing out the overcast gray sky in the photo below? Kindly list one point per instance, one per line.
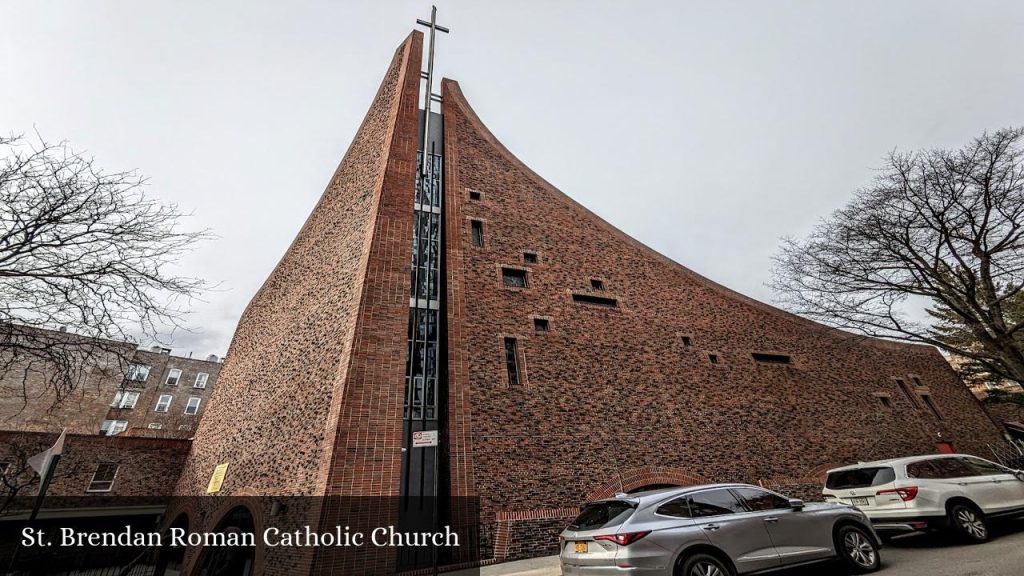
(706, 130)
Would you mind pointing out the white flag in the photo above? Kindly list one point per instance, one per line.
(41, 462)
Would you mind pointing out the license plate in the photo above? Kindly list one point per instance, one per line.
(581, 547)
(859, 501)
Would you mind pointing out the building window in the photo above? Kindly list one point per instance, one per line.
(511, 362)
(474, 195)
(185, 427)
(513, 278)
(173, 376)
(103, 478)
(155, 426)
(595, 300)
(530, 257)
(916, 381)
(927, 399)
(137, 372)
(906, 392)
(713, 358)
(201, 379)
(478, 233)
(125, 399)
(111, 427)
(193, 405)
(771, 358)
(541, 324)
(596, 284)
(4, 466)
(164, 403)
(886, 401)
(687, 341)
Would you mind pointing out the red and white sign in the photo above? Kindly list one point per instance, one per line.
(424, 439)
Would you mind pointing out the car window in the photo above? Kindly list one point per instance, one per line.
(983, 467)
(860, 478)
(680, 508)
(925, 469)
(952, 468)
(761, 499)
(599, 514)
(714, 503)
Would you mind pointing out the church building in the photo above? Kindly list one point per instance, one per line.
(440, 285)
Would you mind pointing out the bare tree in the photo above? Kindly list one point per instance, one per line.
(940, 230)
(82, 248)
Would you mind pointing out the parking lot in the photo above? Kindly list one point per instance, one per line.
(911, 555)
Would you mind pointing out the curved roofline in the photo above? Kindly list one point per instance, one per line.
(452, 94)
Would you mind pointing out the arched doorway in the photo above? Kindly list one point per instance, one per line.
(172, 557)
(230, 560)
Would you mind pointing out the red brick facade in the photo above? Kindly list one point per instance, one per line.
(616, 396)
(661, 388)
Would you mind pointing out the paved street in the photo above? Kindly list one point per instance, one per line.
(914, 555)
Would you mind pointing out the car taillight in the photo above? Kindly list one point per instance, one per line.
(624, 539)
(906, 494)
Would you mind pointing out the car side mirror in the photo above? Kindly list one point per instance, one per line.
(796, 504)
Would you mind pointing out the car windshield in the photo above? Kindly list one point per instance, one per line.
(859, 478)
(598, 514)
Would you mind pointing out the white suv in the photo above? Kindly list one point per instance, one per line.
(952, 491)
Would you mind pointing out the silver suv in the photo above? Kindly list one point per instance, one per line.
(955, 491)
(713, 530)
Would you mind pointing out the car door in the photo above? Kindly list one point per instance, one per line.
(798, 535)
(1005, 491)
(980, 488)
(728, 525)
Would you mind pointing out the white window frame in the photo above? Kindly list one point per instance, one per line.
(135, 369)
(155, 426)
(125, 399)
(166, 406)
(115, 427)
(173, 373)
(201, 379)
(193, 406)
(93, 481)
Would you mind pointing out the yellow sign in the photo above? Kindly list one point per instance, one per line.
(217, 479)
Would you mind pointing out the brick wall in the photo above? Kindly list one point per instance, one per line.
(606, 392)
(144, 464)
(309, 400)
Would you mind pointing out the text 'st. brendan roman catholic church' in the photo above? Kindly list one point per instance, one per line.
(440, 284)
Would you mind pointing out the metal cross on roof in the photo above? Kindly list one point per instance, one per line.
(428, 99)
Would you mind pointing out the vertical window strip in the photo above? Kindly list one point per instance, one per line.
(512, 361)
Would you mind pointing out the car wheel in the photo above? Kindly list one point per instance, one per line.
(857, 550)
(968, 523)
(704, 565)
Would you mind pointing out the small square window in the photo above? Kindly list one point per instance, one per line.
(886, 401)
(541, 324)
(713, 358)
(530, 257)
(596, 284)
(103, 477)
(916, 381)
(513, 278)
(687, 341)
(474, 195)
(478, 233)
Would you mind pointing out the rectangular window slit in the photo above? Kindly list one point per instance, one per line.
(687, 341)
(595, 300)
(478, 233)
(886, 402)
(513, 277)
(713, 358)
(511, 362)
(771, 358)
(931, 406)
